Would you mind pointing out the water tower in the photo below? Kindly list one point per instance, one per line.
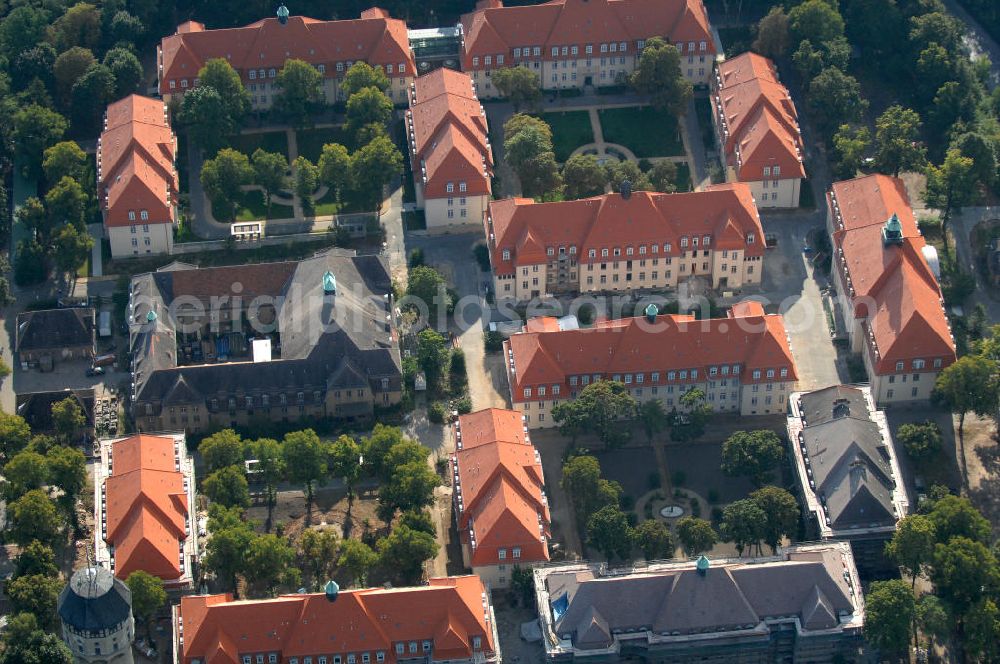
(96, 613)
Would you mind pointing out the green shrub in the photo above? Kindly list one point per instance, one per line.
(416, 258)
(713, 496)
(493, 342)
(654, 480)
(463, 405)
(437, 412)
(678, 478)
(627, 501)
(586, 313)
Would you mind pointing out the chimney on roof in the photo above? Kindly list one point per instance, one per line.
(283, 14)
(892, 232)
(625, 189)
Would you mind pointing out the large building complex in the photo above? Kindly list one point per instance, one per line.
(500, 504)
(225, 346)
(758, 130)
(449, 149)
(96, 613)
(847, 468)
(144, 501)
(742, 362)
(887, 292)
(258, 52)
(624, 242)
(803, 605)
(136, 177)
(576, 43)
(449, 620)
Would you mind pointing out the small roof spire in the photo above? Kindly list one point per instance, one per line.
(329, 283)
(283, 14)
(331, 589)
(892, 232)
(702, 565)
(151, 316)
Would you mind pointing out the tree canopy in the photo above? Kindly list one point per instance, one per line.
(752, 453)
(658, 75)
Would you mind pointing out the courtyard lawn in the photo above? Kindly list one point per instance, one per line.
(326, 205)
(570, 130)
(251, 208)
(644, 130)
(269, 141)
(311, 141)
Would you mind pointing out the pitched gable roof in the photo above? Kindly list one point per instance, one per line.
(633, 345)
(891, 285)
(725, 212)
(374, 38)
(494, 29)
(500, 499)
(51, 329)
(448, 136)
(359, 620)
(758, 118)
(135, 163)
(146, 502)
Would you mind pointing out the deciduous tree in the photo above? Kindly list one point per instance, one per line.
(14, 435)
(25, 472)
(34, 130)
(604, 407)
(781, 514)
(411, 487)
(922, 441)
(362, 75)
(583, 177)
(890, 611)
(126, 70)
(519, 85)
(696, 535)
(228, 487)
(306, 181)
(897, 140)
(219, 75)
(36, 559)
(270, 171)
(752, 453)
(33, 516)
(270, 470)
(772, 34)
(65, 159)
(91, 94)
(743, 524)
(609, 532)
(223, 178)
(368, 106)
(25, 642)
(221, 449)
(35, 594)
(372, 168)
(962, 572)
(663, 176)
(345, 462)
(658, 75)
(318, 550)
(69, 68)
(300, 92)
(269, 561)
(816, 20)
(912, 545)
(356, 559)
(206, 115)
(968, 385)
(335, 166)
(79, 26)
(654, 538)
(71, 247)
(653, 417)
(835, 98)
(950, 187)
(148, 597)
(404, 552)
(305, 460)
(67, 418)
(226, 550)
(851, 145)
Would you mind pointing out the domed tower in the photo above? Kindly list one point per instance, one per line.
(96, 612)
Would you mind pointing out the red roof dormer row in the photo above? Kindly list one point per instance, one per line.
(532, 32)
(503, 513)
(613, 227)
(136, 177)
(760, 128)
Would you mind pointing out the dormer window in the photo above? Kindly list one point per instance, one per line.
(131, 215)
(253, 74)
(506, 254)
(144, 215)
(750, 238)
(450, 187)
(462, 186)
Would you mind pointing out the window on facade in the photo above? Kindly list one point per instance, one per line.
(477, 643)
(502, 554)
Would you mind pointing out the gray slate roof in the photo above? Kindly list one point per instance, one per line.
(55, 329)
(848, 458)
(730, 596)
(94, 600)
(36, 407)
(327, 341)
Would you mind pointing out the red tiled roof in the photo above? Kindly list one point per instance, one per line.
(501, 497)
(136, 162)
(760, 116)
(146, 507)
(726, 212)
(892, 285)
(493, 29)
(448, 134)
(449, 612)
(748, 338)
(374, 38)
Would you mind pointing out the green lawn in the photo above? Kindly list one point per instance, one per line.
(252, 209)
(311, 141)
(570, 130)
(642, 129)
(270, 141)
(326, 205)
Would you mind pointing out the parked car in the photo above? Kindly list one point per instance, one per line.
(95, 371)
